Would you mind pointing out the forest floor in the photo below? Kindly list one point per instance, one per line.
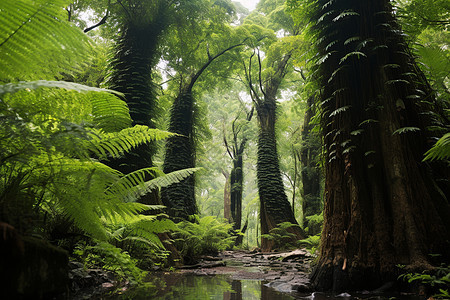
(284, 271)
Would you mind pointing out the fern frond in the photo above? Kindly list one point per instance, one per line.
(131, 194)
(11, 88)
(114, 144)
(69, 101)
(34, 34)
(405, 130)
(441, 150)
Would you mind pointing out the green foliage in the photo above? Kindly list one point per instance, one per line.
(282, 238)
(439, 280)
(206, 236)
(34, 34)
(312, 243)
(441, 150)
(108, 257)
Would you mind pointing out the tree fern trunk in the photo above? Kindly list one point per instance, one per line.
(274, 204)
(131, 73)
(383, 205)
(180, 154)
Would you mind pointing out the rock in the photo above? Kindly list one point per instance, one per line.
(302, 288)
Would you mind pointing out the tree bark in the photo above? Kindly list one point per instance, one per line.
(180, 154)
(274, 204)
(383, 205)
(135, 53)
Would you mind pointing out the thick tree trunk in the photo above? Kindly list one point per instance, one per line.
(383, 205)
(274, 204)
(180, 154)
(135, 54)
(309, 157)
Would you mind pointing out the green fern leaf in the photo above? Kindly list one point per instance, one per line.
(441, 150)
(405, 130)
(29, 32)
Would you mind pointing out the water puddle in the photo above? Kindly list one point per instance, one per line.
(175, 286)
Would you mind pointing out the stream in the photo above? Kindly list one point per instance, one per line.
(236, 275)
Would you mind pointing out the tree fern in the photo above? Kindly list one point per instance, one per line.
(35, 40)
(69, 101)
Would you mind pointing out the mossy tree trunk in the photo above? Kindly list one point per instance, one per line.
(383, 205)
(309, 158)
(131, 74)
(274, 204)
(180, 149)
(180, 154)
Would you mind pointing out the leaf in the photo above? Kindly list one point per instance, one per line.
(351, 54)
(339, 110)
(368, 121)
(357, 132)
(33, 85)
(405, 130)
(347, 13)
(397, 81)
(30, 30)
(352, 39)
(441, 150)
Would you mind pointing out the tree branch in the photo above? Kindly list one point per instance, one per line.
(102, 21)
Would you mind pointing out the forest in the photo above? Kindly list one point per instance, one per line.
(145, 137)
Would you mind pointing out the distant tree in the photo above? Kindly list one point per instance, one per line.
(235, 150)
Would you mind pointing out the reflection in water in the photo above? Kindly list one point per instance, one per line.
(176, 286)
(219, 287)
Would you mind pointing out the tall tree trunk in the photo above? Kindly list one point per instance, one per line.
(180, 154)
(236, 181)
(236, 153)
(309, 157)
(131, 69)
(180, 150)
(274, 204)
(383, 205)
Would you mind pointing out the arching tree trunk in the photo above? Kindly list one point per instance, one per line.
(309, 157)
(180, 150)
(383, 205)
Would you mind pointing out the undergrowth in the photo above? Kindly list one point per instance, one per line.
(204, 236)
